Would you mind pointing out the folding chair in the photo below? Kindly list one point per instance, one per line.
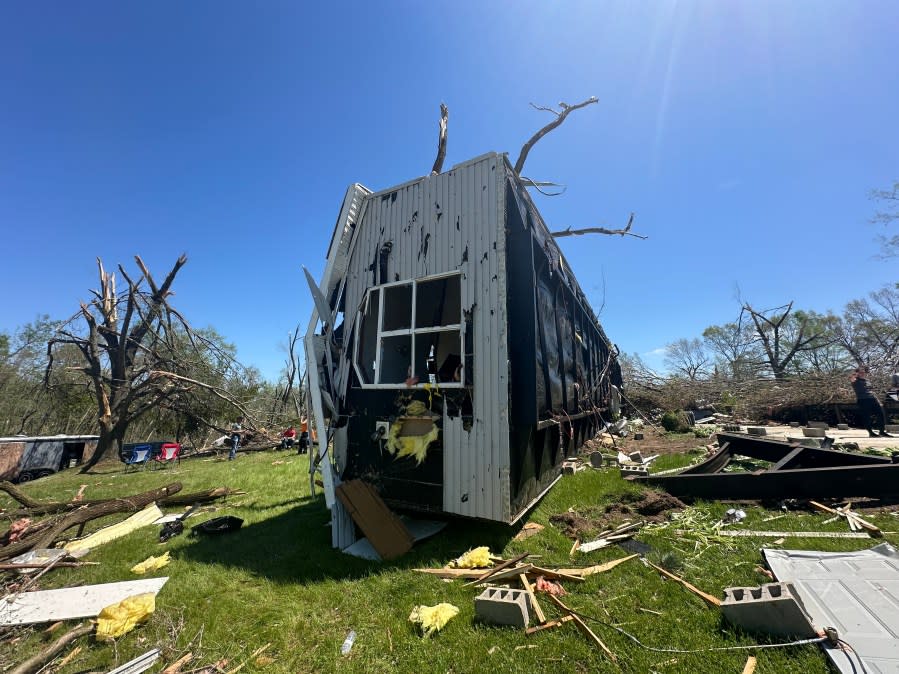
(140, 455)
(169, 453)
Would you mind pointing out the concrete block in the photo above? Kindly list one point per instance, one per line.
(634, 471)
(842, 427)
(892, 428)
(818, 424)
(794, 424)
(813, 432)
(732, 428)
(773, 608)
(806, 442)
(757, 430)
(502, 606)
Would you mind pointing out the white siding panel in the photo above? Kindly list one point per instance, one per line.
(476, 462)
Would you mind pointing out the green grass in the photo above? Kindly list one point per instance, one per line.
(278, 580)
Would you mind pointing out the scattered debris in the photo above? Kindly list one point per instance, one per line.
(582, 626)
(707, 598)
(123, 616)
(528, 530)
(71, 602)
(217, 525)
(140, 664)
(36, 662)
(611, 536)
(432, 618)
(502, 606)
(549, 587)
(152, 564)
(347, 644)
(856, 523)
(144, 518)
(384, 530)
(476, 558)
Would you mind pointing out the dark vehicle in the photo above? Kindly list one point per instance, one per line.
(27, 458)
(137, 453)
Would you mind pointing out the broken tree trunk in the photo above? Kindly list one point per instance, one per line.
(441, 141)
(45, 539)
(560, 117)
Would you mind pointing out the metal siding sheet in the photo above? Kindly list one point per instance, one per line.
(856, 592)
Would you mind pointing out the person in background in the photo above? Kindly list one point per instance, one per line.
(303, 445)
(893, 393)
(288, 437)
(236, 429)
(868, 405)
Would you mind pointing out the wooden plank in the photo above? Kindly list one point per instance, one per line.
(553, 574)
(875, 531)
(71, 602)
(548, 625)
(709, 599)
(749, 667)
(596, 568)
(499, 567)
(530, 590)
(582, 626)
(739, 533)
(384, 530)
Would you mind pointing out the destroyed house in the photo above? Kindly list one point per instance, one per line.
(465, 363)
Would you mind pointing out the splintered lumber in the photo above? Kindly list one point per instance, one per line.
(36, 662)
(582, 626)
(530, 590)
(555, 574)
(709, 599)
(178, 665)
(549, 624)
(749, 667)
(851, 517)
(46, 538)
(739, 533)
(496, 569)
(199, 497)
(596, 568)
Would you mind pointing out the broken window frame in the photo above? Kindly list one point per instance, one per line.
(412, 332)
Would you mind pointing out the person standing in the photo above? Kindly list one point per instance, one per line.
(236, 429)
(868, 405)
(303, 446)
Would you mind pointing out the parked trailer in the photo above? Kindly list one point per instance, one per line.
(27, 458)
(466, 363)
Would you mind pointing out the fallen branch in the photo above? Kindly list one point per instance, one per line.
(36, 662)
(45, 539)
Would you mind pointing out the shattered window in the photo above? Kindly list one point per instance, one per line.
(412, 334)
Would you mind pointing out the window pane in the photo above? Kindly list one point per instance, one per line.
(438, 302)
(396, 357)
(447, 355)
(368, 339)
(397, 308)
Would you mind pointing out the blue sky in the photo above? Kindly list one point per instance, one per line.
(745, 135)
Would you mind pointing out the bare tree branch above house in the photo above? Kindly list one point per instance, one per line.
(626, 231)
(561, 116)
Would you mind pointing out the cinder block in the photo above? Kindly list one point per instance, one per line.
(757, 430)
(634, 471)
(813, 432)
(502, 606)
(794, 424)
(892, 428)
(773, 608)
(732, 428)
(818, 424)
(842, 427)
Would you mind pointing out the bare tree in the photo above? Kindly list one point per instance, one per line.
(561, 116)
(132, 345)
(688, 357)
(782, 335)
(889, 201)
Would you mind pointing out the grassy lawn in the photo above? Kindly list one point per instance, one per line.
(278, 581)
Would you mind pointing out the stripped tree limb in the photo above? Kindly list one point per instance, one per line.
(560, 117)
(36, 662)
(600, 230)
(441, 140)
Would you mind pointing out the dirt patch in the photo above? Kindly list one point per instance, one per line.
(651, 506)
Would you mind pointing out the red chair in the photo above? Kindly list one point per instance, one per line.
(169, 453)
